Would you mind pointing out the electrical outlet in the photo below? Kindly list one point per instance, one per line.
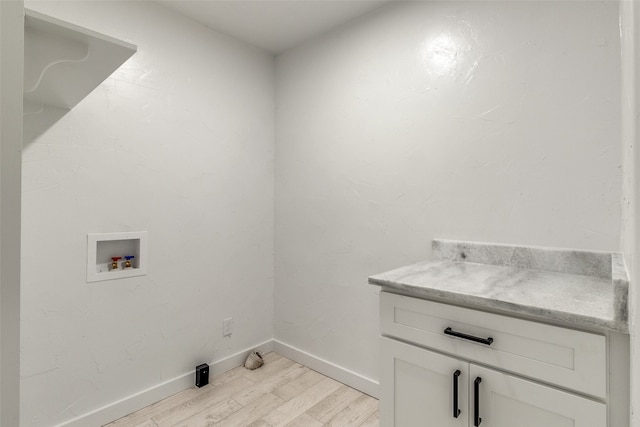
(227, 326)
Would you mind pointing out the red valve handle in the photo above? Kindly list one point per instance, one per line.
(116, 258)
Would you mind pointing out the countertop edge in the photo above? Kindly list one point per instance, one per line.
(505, 307)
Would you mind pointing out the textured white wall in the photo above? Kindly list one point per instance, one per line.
(482, 121)
(630, 227)
(11, 59)
(628, 11)
(179, 142)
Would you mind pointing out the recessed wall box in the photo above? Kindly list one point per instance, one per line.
(102, 248)
(202, 375)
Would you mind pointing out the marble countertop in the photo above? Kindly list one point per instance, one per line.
(580, 288)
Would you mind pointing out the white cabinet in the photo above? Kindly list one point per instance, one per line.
(495, 371)
(509, 401)
(425, 388)
(418, 387)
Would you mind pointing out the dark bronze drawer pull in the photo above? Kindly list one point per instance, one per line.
(451, 332)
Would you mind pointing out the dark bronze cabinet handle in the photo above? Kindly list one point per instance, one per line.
(453, 333)
(476, 402)
(456, 411)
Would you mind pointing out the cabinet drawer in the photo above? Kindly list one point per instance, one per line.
(565, 357)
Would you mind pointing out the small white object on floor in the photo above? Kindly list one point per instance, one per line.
(254, 360)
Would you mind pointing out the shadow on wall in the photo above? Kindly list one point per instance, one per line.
(38, 121)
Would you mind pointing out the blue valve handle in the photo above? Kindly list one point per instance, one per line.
(128, 257)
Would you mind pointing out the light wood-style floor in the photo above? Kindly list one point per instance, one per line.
(280, 393)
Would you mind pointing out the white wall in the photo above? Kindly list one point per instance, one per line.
(11, 59)
(479, 121)
(628, 126)
(179, 142)
(630, 227)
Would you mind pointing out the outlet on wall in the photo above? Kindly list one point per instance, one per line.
(227, 326)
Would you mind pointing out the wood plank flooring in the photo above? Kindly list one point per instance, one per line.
(280, 393)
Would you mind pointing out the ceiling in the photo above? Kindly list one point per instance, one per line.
(273, 25)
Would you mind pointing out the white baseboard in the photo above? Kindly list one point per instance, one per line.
(338, 373)
(144, 398)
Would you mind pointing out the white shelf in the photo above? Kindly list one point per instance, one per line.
(102, 246)
(63, 62)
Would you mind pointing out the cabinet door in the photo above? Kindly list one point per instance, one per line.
(507, 401)
(417, 387)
